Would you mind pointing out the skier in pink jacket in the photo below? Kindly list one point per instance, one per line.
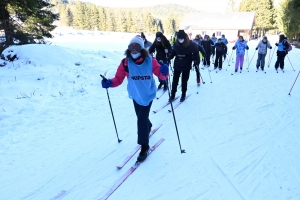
(139, 67)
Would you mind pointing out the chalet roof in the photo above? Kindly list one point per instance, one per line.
(219, 21)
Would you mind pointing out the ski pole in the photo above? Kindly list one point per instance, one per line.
(200, 74)
(251, 60)
(208, 70)
(181, 150)
(290, 62)
(105, 79)
(271, 57)
(229, 59)
(169, 82)
(294, 83)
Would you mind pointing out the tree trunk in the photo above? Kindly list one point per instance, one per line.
(5, 21)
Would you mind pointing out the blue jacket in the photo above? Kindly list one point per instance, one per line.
(283, 45)
(241, 46)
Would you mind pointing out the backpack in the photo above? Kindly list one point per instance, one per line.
(290, 47)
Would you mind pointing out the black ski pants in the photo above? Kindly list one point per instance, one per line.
(185, 75)
(280, 59)
(207, 58)
(197, 72)
(143, 123)
(218, 61)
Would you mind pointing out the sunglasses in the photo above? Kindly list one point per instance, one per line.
(134, 47)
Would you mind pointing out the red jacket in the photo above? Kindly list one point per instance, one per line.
(122, 73)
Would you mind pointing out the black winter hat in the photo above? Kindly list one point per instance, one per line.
(159, 34)
(181, 34)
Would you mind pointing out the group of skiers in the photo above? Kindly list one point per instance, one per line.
(139, 66)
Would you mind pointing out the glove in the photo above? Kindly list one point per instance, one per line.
(270, 47)
(276, 44)
(164, 69)
(247, 48)
(256, 48)
(106, 83)
(233, 48)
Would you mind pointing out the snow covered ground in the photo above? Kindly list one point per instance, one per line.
(57, 138)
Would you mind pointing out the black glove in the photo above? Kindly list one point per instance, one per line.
(270, 47)
(233, 48)
(276, 44)
(256, 48)
(247, 47)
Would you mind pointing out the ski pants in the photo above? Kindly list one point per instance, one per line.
(218, 61)
(185, 75)
(239, 61)
(207, 58)
(213, 51)
(280, 59)
(225, 52)
(143, 123)
(261, 60)
(164, 82)
(197, 72)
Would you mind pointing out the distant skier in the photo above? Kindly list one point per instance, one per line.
(139, 68)
(282, 51)
(214, 39)
(225, 41)
(240, 46)
(207, 45)
(197, 43)
(185, 52)
(162, 47)
(262, 52)
(147, 44)
(220, 48)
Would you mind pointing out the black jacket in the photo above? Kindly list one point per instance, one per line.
(185, 56)
(220, 47)
(160, 50)
(207, 44)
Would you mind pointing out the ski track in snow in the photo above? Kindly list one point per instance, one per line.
(240, 134)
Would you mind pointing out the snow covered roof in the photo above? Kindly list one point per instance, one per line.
(218, 21)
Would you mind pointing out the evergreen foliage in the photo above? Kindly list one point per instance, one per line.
(288, 18)
(264, 13)
(26, 21)
(86, 16)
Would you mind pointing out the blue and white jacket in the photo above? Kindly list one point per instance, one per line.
(240, 47)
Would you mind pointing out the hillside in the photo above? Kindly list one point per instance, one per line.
(58, 141)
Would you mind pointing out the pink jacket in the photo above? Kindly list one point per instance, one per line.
(121, 73)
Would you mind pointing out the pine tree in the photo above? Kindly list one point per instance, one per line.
(121, 21)
(93, 17)
(128, 22)
(264, 13)
(26, 21)
(79, 16)
(288, 18)
(65, 14)
(109, 20)
(101, 18)
(169, 26)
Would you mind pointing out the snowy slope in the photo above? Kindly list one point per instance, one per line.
(240, 132)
